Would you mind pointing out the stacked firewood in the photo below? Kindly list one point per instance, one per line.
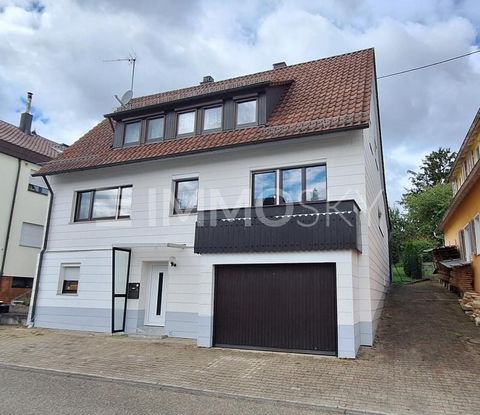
(470, 303)
(461, 277)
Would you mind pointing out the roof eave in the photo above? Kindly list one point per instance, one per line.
(208, 150)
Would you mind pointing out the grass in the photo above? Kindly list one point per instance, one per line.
(399, 276)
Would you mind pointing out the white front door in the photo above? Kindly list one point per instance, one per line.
(157, 296)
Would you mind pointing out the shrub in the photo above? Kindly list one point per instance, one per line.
(413, 257)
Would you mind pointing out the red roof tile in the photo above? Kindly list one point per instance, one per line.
(32, 142)
(325, 95)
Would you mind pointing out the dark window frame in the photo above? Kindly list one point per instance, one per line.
(177, 122)
(279, 184)
(241, 101)
(26, 283)
(157, 139)
(92, 200)
(212, 130)
(140, 134)
(67, 291)
(176, 209)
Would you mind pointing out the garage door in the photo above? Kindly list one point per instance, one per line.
(276, 307)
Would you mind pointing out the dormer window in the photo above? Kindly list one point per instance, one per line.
(132, 133)
(186, 123)
(247, 113)
(212, 118)
(155, 128)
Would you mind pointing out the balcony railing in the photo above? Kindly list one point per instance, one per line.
(311, 227)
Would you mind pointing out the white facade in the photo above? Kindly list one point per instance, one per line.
(29, 212)
(224, 182)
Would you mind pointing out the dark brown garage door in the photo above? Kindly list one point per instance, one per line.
(276, 307)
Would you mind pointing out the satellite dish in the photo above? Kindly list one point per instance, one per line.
(126, 97)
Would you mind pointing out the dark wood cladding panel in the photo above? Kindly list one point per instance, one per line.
(262, 109)
(228, 114)
(118, 135)
(274, 231)
(170, 125)
(276, 307)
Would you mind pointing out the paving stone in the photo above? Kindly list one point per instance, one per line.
(423, 361)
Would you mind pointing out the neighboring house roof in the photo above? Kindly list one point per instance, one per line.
(325, 95)
(473, 176)
(471, 134)
(29, 147)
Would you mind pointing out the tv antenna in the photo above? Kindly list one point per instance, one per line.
(127, 96)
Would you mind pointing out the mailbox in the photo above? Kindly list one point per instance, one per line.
(133, 290)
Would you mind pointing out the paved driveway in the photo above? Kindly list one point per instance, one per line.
(426, 360)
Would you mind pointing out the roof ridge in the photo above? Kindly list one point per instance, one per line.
(268, 71)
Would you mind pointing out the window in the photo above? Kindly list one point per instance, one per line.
(132, 132)
(31, 235)
(296, 185)
(476, 226)
(20, 282)
(69, 277)
(247, 112)
(316, 183)
(112, 203)
(212, 118)
(264, 188)
(292, 185)
(186, 196)
(155, 128)
(466, 243)
(186, 123)
(37, 184)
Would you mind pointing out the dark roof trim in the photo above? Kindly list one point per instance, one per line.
(118, 115)
(208, 150)
(22, 153)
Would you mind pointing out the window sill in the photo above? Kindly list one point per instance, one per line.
(173, 215)
(77, 222)
(68, 294)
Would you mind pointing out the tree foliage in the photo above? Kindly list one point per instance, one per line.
(425, 210)
(434, 170)
(398, 233)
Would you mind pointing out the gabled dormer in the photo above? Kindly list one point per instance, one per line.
(227, 110)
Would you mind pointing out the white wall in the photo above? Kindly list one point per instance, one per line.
(224, 181)
(30, 207)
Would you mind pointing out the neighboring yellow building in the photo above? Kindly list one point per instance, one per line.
(461, 223)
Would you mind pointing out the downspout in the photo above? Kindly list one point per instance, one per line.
(33, 304)
(10, 219)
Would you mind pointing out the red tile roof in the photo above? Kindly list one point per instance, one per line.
(34, 143)
(325, 95)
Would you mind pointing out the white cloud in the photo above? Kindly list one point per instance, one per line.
(56, 48)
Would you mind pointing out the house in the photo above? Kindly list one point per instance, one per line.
(461, 223)
(247, 213)
(24, 203)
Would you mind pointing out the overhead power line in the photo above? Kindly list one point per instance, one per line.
(429, 65)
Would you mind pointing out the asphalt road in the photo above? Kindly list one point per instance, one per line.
(25, 391)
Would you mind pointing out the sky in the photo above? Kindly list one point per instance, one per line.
(56, 49)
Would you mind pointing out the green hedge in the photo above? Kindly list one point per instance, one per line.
(413, 257)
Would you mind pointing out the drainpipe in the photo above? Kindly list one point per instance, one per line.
(10, 219)
(33, 304)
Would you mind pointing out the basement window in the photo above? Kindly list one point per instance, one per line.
(69, 278)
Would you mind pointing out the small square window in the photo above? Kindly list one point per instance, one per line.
(132, 133)
(247, 112)
(69, 277)
(155, 128)
(186, 196)
(186, 123)
(212, 118)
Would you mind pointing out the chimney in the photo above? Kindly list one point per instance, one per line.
(207, 79)
(279, 65)
(26, 117)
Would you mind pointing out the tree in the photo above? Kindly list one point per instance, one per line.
(398, 233)
(425, 210)
(434, 170)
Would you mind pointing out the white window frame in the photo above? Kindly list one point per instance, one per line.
(467, 239)
(62, 276)
(476, 222)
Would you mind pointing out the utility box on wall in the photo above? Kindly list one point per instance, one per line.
(133, 290)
